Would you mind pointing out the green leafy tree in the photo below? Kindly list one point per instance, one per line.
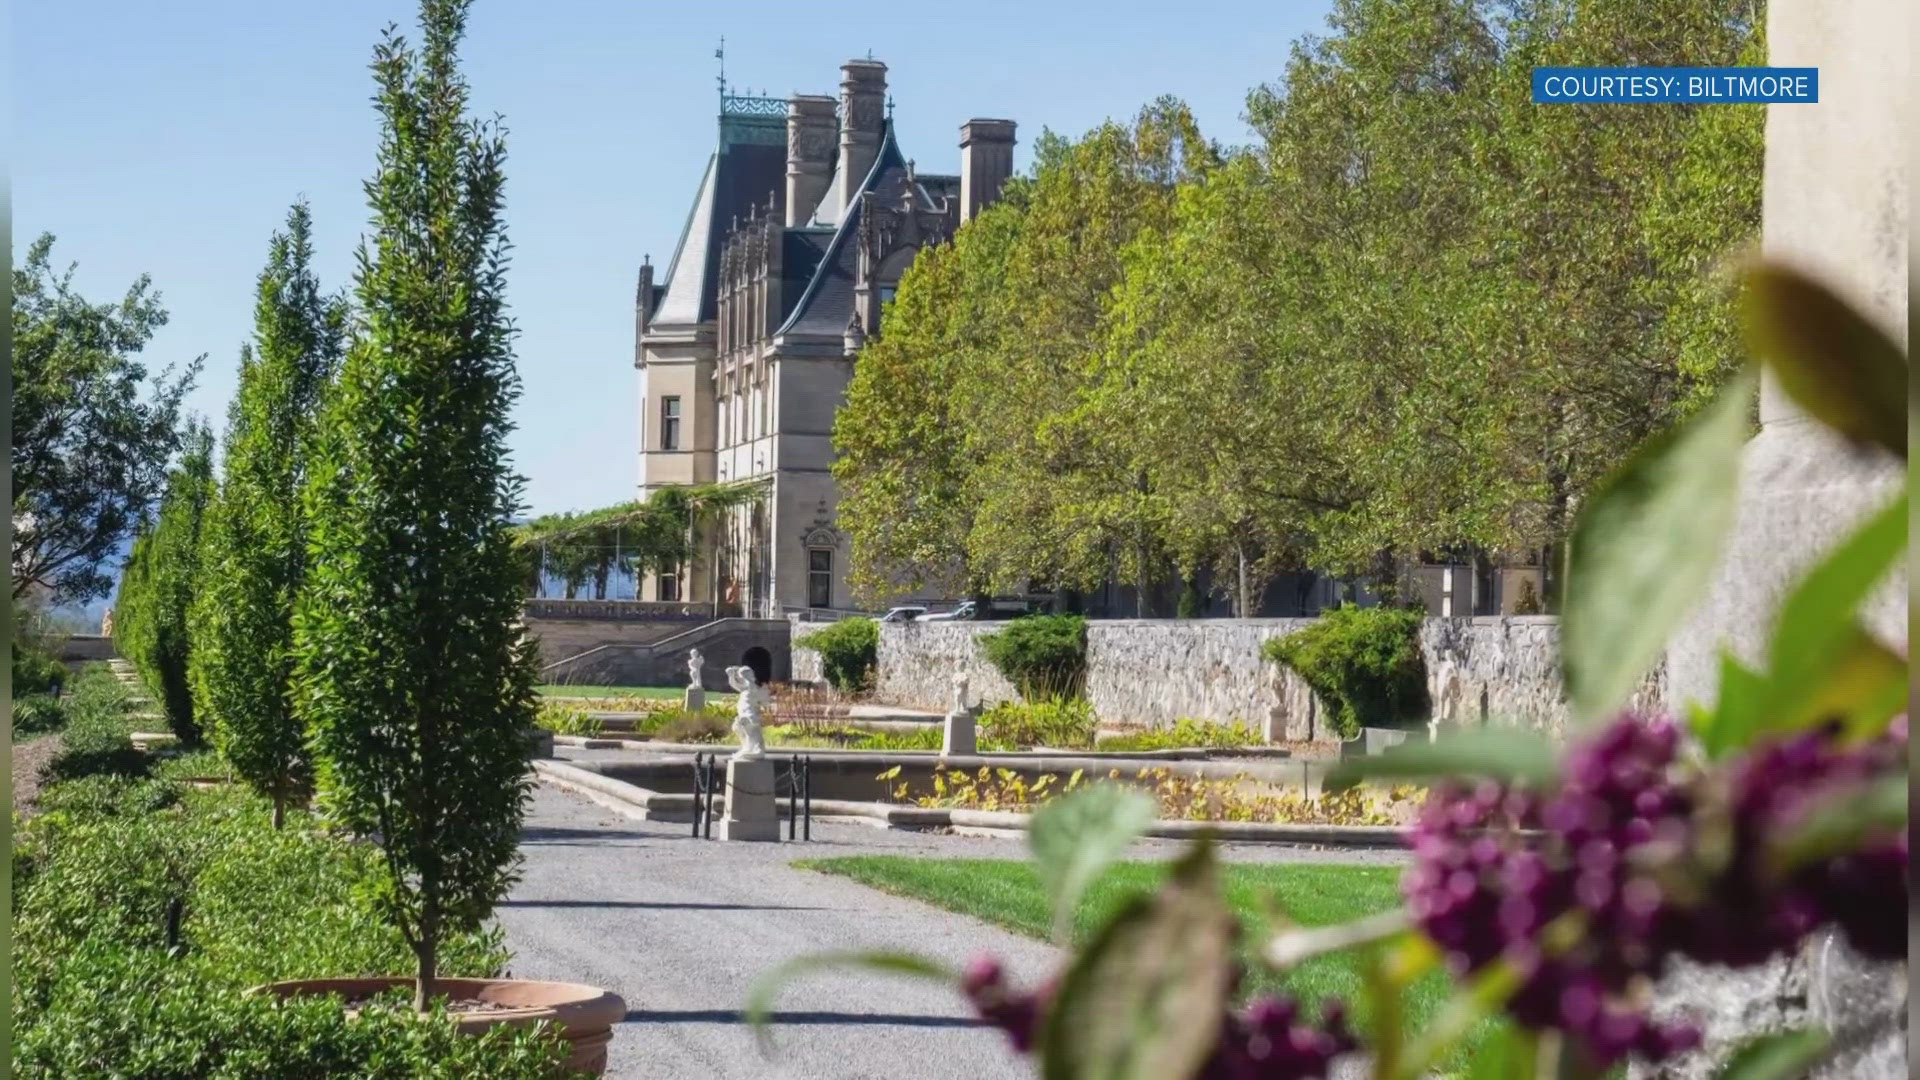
(849, 651)
(162, 576)
(89, 455)
(256, 535)
(414, 676)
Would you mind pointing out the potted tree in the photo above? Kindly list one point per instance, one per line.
(412, 674)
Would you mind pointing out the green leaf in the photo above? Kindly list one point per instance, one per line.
(1077, 836)
(1837, 365)
(1146, 999)
(761, 995)
(1739, 711)
(1643, 547)
(1510, 1052)
(1507, 754)
(1842, 821)
(1784, 1056)
(1820, 658)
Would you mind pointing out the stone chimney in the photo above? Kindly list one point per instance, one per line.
(810, 124)
(863, 95)
(986, 160)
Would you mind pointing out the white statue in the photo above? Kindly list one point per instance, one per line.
(746, 714)
(960, 707)
(695, 662)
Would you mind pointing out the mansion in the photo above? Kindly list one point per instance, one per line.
(804, 220)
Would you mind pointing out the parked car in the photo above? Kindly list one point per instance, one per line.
(903, 614)
(966, 612)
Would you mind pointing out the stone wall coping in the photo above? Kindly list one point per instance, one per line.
(900, 816)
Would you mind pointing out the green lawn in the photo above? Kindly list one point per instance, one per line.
(1006, 893)
(664, 693)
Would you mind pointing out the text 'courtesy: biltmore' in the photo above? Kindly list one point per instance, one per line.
(1676, 85)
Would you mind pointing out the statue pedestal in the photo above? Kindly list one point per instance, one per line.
(958, 734)
(751, 807)
(696, 699)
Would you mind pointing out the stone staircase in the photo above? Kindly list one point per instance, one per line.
(148, 711)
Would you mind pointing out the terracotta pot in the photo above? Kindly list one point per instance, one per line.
(582, 1015)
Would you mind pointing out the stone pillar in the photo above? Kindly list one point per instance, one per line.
(863, 96)
(958, 734)
(810, 130)
(1836, 205)
(986, 160)
(752, 810)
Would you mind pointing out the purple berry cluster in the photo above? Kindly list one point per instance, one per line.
(1268, 1040)
(1863, 892)
(1622, 843)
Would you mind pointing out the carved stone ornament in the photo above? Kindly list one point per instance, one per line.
(820, 535)
(810, 142)
(865, 109)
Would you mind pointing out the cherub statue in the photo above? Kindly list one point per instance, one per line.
(960, 707)
(695, 664)
(746, 713)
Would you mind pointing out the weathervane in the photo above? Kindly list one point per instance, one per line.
(720, 54)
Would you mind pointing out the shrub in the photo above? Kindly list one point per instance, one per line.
(37, 714)
(1043, 656)
(141, 1015)
(108, 795)
(563, 718)
(700, 727)
(1184, 734)
(1061, 722)
(1364, 663)
(849, 651)
(36, 671)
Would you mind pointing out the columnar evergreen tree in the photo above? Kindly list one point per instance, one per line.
(414, 678)
(162, 575)
(256, 535)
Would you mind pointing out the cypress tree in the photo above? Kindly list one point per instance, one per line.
(413, 676)
(150, 621)
(256, 532)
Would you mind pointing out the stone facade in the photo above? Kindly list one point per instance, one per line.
(803, 222)
(1801, 490)
(1154, 672)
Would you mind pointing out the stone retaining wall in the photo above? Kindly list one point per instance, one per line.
(1501, 670)
(918, 661)
(806, 662)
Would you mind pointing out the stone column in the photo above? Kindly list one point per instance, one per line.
(986, 160)
(1836, 205)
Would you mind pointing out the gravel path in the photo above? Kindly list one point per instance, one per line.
(680, 928)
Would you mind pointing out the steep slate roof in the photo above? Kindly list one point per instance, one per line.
(738, 178)
(827, 304)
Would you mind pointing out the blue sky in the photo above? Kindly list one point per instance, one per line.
(170, 138)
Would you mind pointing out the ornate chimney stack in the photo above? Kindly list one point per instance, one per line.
(863, 95)
(810, 131)
(986, 160)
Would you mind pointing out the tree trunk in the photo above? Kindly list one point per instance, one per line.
(1244, 607)
(427, 955)
(279, 809)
